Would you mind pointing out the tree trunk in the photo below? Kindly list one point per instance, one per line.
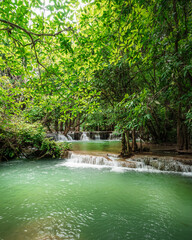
(61, 126)
(67, 128)
(186, 138)
(127, 141)
(123, 145)
(77, 128)
(134, 144)
(182, 132)
(56, 126)
(141, 145)
(179, 130)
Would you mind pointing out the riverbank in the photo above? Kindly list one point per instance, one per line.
(102, 148)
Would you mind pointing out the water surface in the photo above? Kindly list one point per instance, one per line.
(97, 146)
(47, 200)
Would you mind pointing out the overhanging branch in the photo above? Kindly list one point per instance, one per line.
(13, 25)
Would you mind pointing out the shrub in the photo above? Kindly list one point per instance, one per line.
(18, 138)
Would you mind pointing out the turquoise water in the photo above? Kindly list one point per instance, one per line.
(95, 146)
(47, 200)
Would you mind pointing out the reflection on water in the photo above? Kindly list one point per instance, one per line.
(97, 146)
(103, 147)
(46, 200)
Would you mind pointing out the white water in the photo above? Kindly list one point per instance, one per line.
(114, 137)
(145, 164)
(84, 137)
(40, 200)
(97, 137)
(69, 137)
(62, 138)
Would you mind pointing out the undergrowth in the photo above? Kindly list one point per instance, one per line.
(21, 139)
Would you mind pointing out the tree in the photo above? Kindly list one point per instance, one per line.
(133, 58)
(146, 47)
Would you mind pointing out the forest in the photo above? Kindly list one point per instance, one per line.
(95, 119)
(123, 66)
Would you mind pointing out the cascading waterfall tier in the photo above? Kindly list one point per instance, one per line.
(84, 137)
(62, 138)
(114, 136)
(163, 164)
(97, 137)
(69, 137)
(145, 163)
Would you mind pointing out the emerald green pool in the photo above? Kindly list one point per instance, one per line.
(47, 200)
(95, 146)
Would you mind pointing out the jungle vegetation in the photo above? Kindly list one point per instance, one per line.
(107, 64)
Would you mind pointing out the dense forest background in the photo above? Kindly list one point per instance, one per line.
(99, 65)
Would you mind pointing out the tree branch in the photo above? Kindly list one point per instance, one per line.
(32, 33)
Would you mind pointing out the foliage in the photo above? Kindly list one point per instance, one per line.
(110, 63)
(189, 119)
(18, 138)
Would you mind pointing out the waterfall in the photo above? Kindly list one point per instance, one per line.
(69, 137)
(110, 136)
(84, 137)
(89, 161)
(114, 136)
(62, 138)
(97, 136)
(165, 164)
(141, 164)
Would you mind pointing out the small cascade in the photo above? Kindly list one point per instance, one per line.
(84, 137)
(142, 164)
(97, 137)
(90, 161)
(62, 138)
(163, 164)
(69, 137)
(114, 136)
(110, 136)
